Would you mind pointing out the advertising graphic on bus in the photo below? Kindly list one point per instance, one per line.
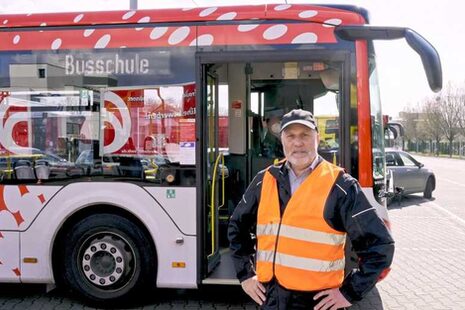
(127, 138)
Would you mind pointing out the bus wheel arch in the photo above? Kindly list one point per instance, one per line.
(126, 254)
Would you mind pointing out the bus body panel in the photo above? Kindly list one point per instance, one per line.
(9, 257)
(179, 203)
(37, 241)
(380, 209)
(22, 203)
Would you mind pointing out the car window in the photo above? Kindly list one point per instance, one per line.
(407, 160)
(390, 160)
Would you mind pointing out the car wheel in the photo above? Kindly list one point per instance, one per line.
(428, 193)
(107, 257)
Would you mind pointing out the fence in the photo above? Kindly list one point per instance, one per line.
(431, 147)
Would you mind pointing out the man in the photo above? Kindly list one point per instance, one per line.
(301, 211)
(270, 143)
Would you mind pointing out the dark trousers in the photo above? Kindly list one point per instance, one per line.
(280, 298)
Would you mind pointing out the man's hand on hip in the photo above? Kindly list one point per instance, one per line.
(333, 299)
(254, 289)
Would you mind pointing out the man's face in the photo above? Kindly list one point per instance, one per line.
(274, 126)
(300, 145)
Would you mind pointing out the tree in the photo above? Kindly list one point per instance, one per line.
(449, 108)
(431, 125)
(461, 109)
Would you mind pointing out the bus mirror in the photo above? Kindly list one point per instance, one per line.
(428, 54)
(429, 58)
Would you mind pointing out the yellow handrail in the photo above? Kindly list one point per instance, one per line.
(212, 201)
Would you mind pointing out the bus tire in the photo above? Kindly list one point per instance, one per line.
(107, 258)
(428, 193)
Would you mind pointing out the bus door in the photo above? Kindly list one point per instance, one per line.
(213, 160)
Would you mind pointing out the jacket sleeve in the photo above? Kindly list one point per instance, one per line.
(241, 230)
(370, 238)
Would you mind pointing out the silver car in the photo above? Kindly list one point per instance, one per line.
(410, 176)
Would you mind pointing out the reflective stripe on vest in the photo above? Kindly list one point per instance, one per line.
(301, 250)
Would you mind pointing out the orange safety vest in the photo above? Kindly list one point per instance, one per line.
(300, 249)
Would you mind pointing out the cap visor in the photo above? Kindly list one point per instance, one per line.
(301, 122)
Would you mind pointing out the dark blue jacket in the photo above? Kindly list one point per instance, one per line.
(344, 211)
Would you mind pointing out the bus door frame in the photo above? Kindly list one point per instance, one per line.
(203, 58)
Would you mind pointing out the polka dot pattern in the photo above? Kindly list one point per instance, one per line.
(207, 12)
(308, 14)
(158, 32)
(320, 30)
(275, 32)
(246, 28)
(88, 32)
(128, 15)
(203, 40)
(227, 16)
(332, 22)
(178, 35)
(306, 37)
(103, 41)
(145, 19)
(56, 44)
(78, 18)
(282, 7)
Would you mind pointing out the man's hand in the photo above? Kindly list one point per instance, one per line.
(254, 289)
(333, 300)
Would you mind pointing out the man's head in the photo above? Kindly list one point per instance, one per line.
(272, 120)
(299, 136)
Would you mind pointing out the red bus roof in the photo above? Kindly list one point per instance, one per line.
(302, 12)
(322, 21)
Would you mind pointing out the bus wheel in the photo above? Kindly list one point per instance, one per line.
(107, 258)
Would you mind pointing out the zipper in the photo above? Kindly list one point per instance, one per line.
(276, 244)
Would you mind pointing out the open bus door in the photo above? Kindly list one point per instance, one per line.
(213, 161)
(258, 91)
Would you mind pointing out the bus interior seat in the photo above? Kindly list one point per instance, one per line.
(42, 169)
(23, 170)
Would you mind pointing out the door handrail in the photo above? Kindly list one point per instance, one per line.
(212, 201)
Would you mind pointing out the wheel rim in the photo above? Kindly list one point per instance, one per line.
(107, 260)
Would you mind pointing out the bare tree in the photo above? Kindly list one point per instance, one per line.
(431, 124)
(450, 108)
(461, 109)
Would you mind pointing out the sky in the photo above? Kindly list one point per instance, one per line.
(401, 76)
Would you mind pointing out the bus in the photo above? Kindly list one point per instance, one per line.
(155, 119)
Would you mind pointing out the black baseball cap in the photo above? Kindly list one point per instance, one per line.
(298, 116)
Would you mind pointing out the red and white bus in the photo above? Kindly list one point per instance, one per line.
(128, 137)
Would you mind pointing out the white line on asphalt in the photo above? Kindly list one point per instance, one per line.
(453, 182)
(455, 217)
(430, 249)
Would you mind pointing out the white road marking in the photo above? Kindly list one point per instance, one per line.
(455, 217)
(453, 182)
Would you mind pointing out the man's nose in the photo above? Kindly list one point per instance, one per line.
(298, 141)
